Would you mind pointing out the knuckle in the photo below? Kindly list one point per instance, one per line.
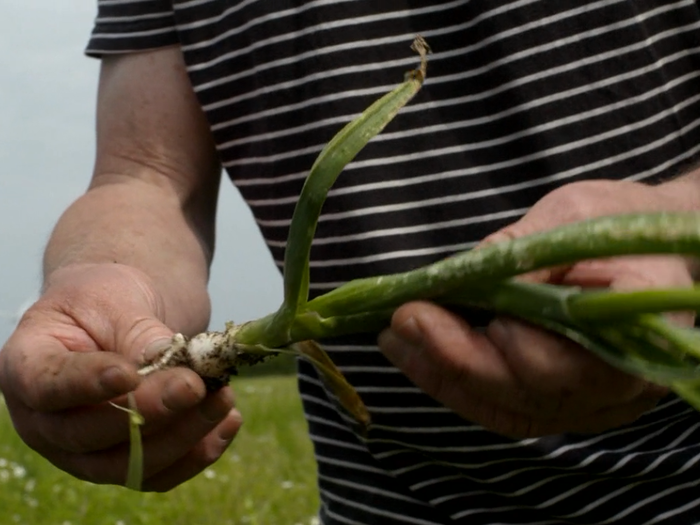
(140, 332)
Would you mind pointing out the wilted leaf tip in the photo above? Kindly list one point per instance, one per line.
(421, 47)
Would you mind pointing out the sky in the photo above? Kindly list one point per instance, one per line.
(47, 101)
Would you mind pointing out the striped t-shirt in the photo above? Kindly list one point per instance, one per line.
(522, 97)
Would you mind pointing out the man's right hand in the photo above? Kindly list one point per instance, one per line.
(78, 348)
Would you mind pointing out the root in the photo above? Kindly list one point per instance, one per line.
(214, 356)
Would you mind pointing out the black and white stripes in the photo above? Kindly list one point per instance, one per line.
(522, 97)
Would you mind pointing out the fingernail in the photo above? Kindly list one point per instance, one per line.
(230, 429)
(155, 349)
(410, 332)
(179, 394)
(397, 349)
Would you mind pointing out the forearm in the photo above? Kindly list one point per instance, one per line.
(141, 224)
(151, 204)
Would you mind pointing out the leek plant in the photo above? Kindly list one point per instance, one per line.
(626, 329)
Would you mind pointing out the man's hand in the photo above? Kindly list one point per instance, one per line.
(520, 381)
(151, 208)
(77, 349)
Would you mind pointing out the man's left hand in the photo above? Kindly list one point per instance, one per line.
(521, 381)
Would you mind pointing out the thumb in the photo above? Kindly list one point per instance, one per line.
(136, 333)
(117, 305)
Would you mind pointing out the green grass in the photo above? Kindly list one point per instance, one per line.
(267, 477)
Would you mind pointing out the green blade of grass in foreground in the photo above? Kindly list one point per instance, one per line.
(134, 473)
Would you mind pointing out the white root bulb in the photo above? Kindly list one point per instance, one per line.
(214, 356)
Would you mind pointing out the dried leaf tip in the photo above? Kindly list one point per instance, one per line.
(421, 47)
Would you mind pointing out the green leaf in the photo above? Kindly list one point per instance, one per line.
(635, 234)
(330, 163)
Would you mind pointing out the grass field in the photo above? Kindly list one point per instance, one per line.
(266, 478)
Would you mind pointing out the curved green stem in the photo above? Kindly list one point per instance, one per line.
(602, 237)
(683, 341)
(610, 305)
(311, 326)
(324, 172)
(517, 298)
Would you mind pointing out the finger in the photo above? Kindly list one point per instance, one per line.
(448, 360)
(521, 426)
(43, 375)
(160, 399)
(554, 367)
(168, 394)
(596, 422)
(160, 450)
(201, 456)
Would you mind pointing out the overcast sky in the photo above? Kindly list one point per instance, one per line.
(47, 99)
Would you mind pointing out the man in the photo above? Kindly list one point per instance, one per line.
(535, 113)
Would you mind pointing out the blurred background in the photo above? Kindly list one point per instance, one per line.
(47, 100)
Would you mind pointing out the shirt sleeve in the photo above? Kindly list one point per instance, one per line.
(124, 26)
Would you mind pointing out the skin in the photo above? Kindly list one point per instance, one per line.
(520, 381)
(127, 266)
